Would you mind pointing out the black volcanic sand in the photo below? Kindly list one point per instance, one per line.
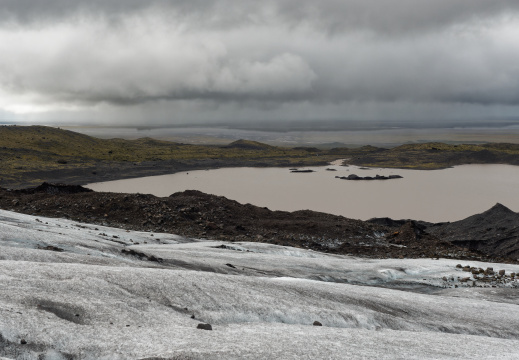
(198, 215)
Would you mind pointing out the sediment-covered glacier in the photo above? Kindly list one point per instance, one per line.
(71, 290)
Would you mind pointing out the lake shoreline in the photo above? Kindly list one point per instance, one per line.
(111, 171)
(30, 155)
(446, 195)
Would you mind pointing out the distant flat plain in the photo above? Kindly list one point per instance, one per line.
(386, 137)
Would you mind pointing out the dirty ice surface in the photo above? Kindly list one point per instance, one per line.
(71, 290)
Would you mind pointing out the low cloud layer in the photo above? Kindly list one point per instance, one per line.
(176, 61)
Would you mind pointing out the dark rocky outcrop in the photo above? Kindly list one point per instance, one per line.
(387, 222)
(494, 232)
(410, 232)
(55, 189)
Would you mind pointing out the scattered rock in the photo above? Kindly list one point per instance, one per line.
(51, 248)
(317, 323)
(204, 326)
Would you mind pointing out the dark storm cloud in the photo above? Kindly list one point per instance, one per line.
(334, 15)
(282, 57)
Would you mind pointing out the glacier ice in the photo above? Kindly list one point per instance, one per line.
(69, 291)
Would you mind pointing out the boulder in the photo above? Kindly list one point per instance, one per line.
(204, 326)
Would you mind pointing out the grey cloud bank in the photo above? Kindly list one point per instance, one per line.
(162, 62)
(336, 15)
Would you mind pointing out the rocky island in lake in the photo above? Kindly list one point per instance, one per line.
(376, 177)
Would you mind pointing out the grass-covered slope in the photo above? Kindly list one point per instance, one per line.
(29, 153)
(438, 155)
(40, 140)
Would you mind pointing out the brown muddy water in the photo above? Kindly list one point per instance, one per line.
(435, 195)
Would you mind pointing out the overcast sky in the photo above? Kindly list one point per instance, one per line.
(191, 61)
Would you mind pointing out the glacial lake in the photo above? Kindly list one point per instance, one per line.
(433, 195)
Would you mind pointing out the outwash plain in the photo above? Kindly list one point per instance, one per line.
(86, 275)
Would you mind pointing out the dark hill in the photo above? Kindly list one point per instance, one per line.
(248, 145)
(494, 232)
